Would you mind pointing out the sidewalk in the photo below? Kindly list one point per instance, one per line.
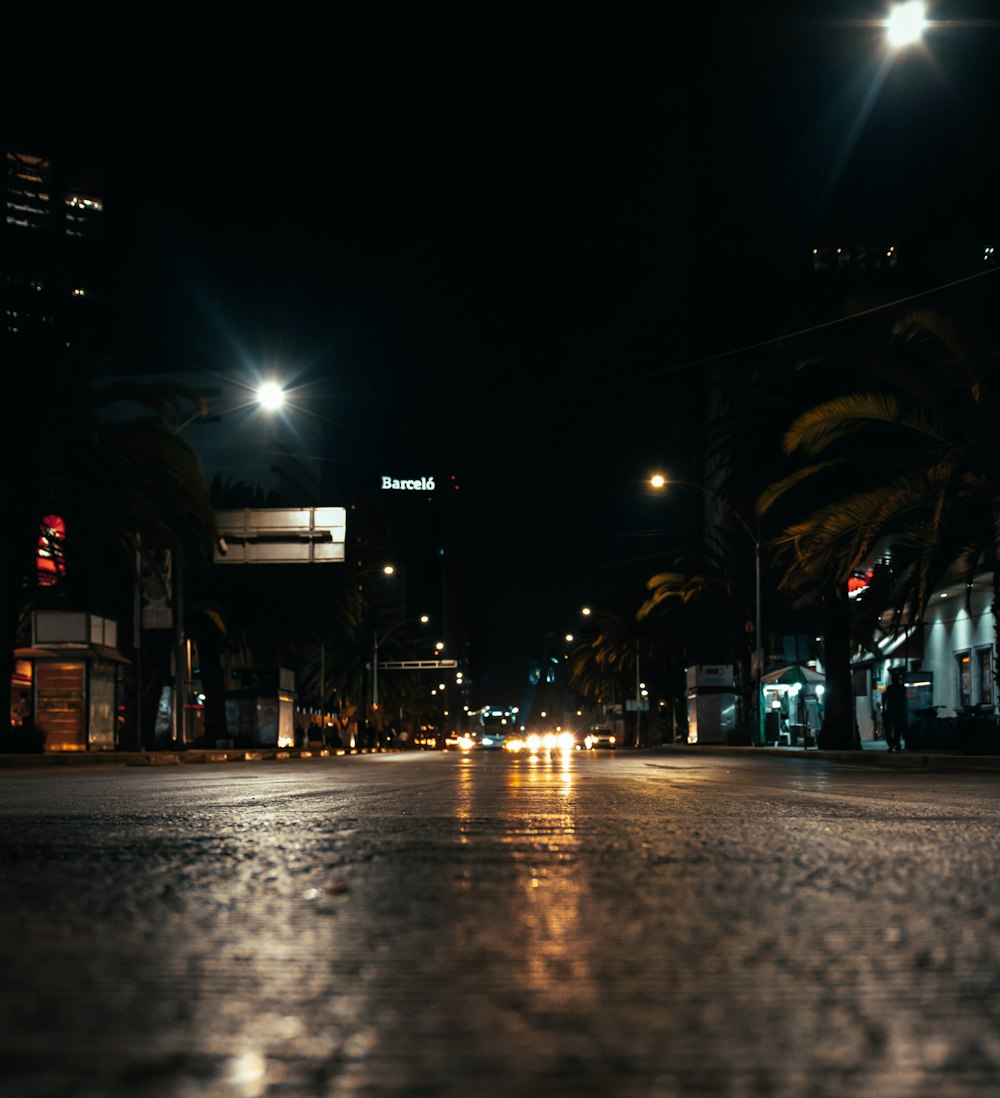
(171, 758)
(872, 753)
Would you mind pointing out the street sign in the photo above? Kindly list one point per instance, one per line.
(632, 706)
(282, 535)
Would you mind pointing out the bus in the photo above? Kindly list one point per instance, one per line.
(496, 724)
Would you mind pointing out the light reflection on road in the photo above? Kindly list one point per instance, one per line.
(551, 890)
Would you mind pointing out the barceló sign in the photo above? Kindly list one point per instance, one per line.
(424, 484)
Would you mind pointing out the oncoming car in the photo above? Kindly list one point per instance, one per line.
(536, 742)
(599, 736)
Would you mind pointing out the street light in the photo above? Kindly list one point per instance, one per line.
(268, 396)
(659, 481)
(905, 24)
(378, 640)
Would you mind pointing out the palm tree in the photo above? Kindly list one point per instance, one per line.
(603, 668)
(333, 659)
(908, 459)
(702, 608)
(607, 665)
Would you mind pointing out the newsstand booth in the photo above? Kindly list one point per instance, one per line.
(712, 704)
(74, 668)
(260, 707)
(792, 698)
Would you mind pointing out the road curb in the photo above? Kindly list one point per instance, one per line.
(165, 758)
(905, 760)
(899, 760)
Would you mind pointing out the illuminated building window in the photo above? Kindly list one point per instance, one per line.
(963, 668)
(82, 214)
(29, 199)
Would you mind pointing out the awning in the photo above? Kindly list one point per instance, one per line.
(71, 652)
(906, 645)
(790, 676)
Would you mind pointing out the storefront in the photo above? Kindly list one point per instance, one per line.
(67, 684)
(792, 698)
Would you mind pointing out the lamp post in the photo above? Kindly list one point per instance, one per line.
(379, 640)
(270, 396)
(659, 482)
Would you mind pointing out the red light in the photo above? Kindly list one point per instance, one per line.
(50, 559)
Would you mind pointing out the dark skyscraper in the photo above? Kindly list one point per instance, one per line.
(54, 276)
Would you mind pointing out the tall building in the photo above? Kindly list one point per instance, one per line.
(51, 252)
(416, 525)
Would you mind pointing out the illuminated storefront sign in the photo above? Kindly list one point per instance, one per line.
(424, 484)
(859, 582)
(50, 557)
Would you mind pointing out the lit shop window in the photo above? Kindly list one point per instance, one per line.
(963, 669)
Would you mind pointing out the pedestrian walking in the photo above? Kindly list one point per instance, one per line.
(894, 711)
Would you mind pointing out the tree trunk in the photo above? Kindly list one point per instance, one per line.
(839, 731)
(17, 559)
(995, 608)
(213, 681)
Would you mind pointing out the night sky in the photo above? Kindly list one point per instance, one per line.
(502, 245)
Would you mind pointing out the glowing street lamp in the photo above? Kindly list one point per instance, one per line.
(270, 396)
(905, 24)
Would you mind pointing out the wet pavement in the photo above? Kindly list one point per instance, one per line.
(627, 924)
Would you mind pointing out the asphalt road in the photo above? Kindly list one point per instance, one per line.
(636, 925)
